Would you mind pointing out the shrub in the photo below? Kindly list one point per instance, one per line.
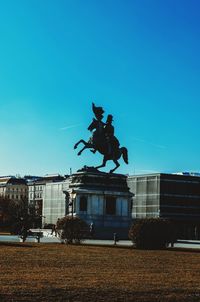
(72, 229)
(152, 233)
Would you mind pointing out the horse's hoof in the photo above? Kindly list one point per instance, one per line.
(75, 146)
(79, 153)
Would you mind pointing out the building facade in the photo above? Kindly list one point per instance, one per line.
(13, 188)
(172, 196)
(146, 201)
(36, 195)
(54, 201)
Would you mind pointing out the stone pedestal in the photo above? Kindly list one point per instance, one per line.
(102, 199)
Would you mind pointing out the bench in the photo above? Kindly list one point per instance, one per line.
(30, 234)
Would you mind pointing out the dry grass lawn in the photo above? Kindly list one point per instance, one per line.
(55, 272)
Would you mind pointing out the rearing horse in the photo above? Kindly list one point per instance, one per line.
(99, 143)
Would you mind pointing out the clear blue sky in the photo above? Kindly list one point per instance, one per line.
(137, 59)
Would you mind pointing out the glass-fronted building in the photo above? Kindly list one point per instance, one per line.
(171, 196)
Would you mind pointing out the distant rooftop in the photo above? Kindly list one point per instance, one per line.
(46, 179)
(52, 175)
(11, 180)
(188, 173)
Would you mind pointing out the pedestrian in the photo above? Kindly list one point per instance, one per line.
(91, 229)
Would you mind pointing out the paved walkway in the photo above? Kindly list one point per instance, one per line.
(53, 239)
(188, 244)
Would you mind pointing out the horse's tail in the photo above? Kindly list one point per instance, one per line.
(124, 152)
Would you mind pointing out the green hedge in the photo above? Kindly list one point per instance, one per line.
(152, 233)
(72, 229)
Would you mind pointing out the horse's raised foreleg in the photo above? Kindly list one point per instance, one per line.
(85, 147)
(81, 141)
(117, 166)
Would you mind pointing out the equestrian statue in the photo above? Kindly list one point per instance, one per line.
(103, 140)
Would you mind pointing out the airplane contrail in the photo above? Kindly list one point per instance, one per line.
(70, 126)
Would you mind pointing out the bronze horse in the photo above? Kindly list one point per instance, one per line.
(98, 142)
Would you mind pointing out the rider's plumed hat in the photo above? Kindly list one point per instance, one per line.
(97, 110)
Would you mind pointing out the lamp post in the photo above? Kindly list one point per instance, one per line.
(66, 202)
(33, 204)
(69, 211)
(71, 203)
(23, 229)
(37, 215)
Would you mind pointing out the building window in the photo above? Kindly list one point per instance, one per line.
(83, 204)
(110, 205)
